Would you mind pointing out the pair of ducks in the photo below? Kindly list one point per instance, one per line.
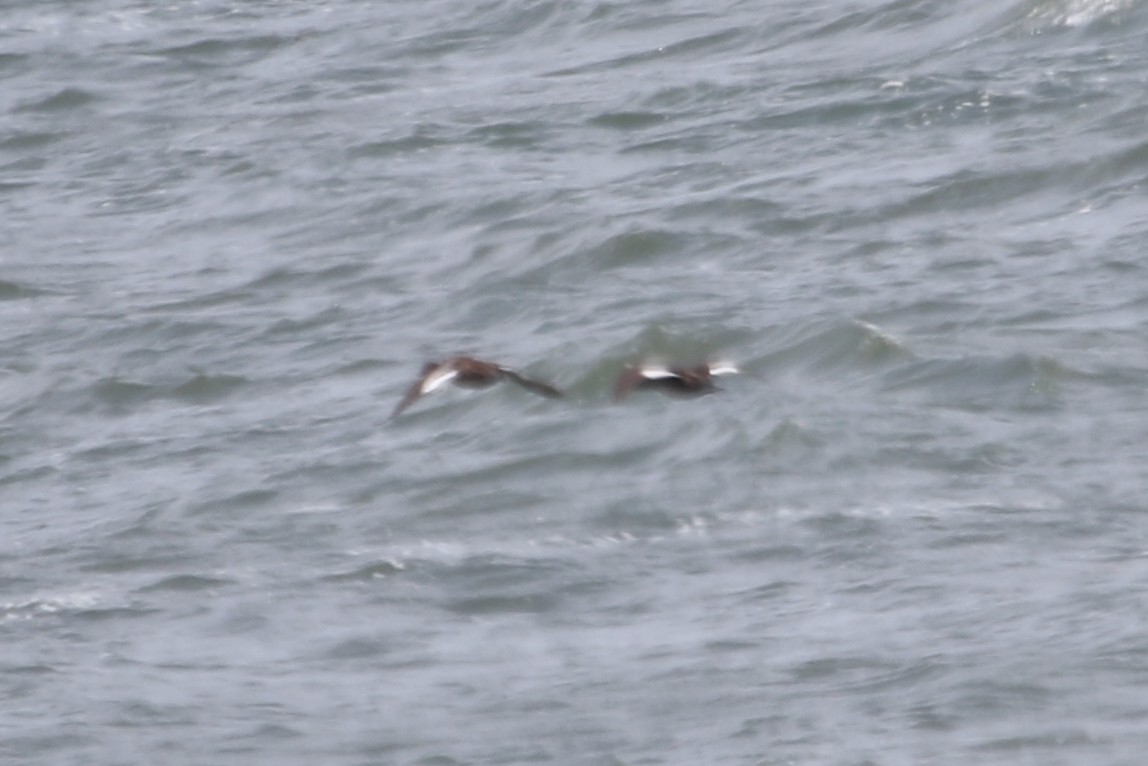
(468, 372)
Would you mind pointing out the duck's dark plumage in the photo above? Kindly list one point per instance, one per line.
(672, 381)
(468, 372)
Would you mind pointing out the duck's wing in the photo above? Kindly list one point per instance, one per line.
(411, 396)
(537, 386)
(436, 378)
(627, 382)
(431, 380)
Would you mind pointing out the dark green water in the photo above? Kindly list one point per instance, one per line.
(913, 532)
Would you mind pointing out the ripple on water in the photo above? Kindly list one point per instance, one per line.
(484, 585)
(838, 346)
(187, 583)
(239, 50)
(1018, 381)
(10, 291)
(118, 395)
(63, 100)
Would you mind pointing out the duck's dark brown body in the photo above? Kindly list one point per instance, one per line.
(468, 372)
(672, 381)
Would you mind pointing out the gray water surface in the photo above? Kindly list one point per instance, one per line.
(913, 532)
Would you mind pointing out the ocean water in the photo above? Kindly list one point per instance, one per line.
(913, 531)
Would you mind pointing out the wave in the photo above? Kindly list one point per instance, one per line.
(1049, 14)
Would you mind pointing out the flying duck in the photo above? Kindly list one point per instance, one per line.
(672, 381)
(469, 373)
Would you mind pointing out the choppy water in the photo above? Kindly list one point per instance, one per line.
(913, 533)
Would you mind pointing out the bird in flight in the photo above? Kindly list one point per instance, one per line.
(468, 372)
(672, 381)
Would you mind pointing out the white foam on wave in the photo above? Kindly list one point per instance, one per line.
(48, 604)
(1075, 13)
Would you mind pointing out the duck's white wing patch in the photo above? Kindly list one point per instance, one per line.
(657, 373)
(438, 379)
(724, 368)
